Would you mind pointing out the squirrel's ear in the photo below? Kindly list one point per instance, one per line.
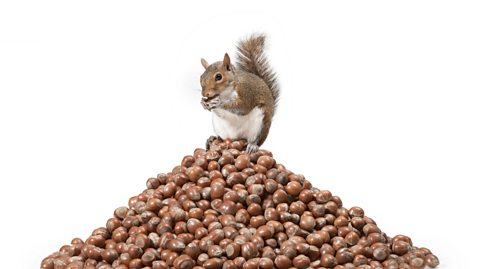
(226, 62)
(204, 63)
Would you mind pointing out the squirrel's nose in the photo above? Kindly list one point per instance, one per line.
(210, 94)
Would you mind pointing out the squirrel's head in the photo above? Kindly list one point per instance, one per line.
(217, 77)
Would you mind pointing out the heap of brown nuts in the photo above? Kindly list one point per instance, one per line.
(225, 209)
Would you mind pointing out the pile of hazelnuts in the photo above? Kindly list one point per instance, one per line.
(225, 209)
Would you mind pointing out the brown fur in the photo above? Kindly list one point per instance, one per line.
(251, 59)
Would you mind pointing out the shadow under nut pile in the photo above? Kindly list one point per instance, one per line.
(224, 209)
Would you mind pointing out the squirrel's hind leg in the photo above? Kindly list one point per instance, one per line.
(252, 147)
(210, 141)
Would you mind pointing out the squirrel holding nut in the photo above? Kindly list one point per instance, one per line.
(242, 97)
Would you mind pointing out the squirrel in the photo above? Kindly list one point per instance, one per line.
(242, 97)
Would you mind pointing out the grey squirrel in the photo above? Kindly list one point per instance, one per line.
(242, 97)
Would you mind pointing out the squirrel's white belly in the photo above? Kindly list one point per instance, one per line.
(230, 125)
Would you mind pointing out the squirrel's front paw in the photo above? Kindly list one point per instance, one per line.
(210, 104)
(214, 103)
(205, 104)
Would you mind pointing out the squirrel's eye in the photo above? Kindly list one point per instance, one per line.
(218, 77)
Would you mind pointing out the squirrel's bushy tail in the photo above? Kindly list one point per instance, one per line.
(251, 58)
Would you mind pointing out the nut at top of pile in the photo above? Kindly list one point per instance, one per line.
(225, 209)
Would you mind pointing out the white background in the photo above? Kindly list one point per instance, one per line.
(380, 105)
